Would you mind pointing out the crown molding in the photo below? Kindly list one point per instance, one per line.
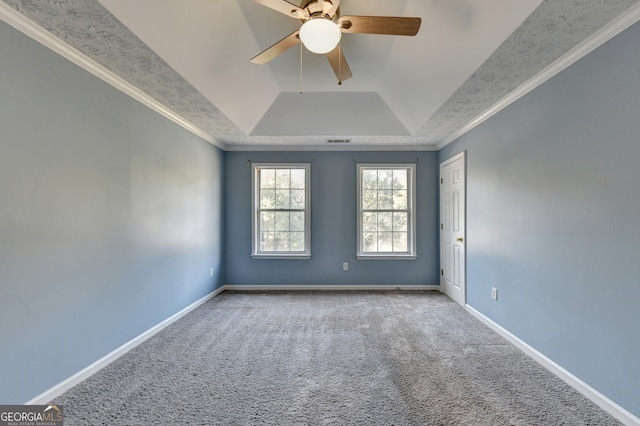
(597, 39)
(44, 37)
(345, 148)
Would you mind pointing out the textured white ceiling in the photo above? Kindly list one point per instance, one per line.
(406, 92)
(341, 113)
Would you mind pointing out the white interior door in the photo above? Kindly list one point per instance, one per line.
(452, 228)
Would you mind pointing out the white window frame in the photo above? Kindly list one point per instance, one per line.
(255, 206)
(410, 254)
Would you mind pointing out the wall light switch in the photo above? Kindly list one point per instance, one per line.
(494, 293)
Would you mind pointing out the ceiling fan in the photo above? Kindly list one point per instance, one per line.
(322, 28)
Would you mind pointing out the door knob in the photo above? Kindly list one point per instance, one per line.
(459, 239)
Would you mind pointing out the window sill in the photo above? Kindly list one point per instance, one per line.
(386, 257)
(282, 256)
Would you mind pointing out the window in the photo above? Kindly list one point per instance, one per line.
(281, 211)
(386, 211)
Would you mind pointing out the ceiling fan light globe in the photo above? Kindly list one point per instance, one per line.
(320, 35)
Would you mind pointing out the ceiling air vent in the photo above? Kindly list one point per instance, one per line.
(338, 140)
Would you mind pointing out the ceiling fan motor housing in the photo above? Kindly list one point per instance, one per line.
(320, 9)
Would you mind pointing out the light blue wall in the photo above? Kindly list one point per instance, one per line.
(110, 218)
(333, 223)
(553, 210)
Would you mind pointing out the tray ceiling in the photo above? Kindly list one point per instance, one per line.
(192, 57)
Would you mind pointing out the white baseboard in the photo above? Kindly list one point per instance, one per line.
(302, 287)
(83, 374)
(599, 399)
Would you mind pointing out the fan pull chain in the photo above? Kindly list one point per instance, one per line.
(339, 64)
(301, 68)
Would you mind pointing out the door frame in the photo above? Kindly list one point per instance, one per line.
(463, 156)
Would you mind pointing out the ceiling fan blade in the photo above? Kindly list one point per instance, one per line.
(391, 25)
(334, 8)
(280, 47)
(284, 7)
(339, 64)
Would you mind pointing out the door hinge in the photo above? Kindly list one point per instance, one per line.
(442, 226)
(441, 181)
(442, 272)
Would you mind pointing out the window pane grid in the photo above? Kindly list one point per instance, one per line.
(385, 210)
(281, 209)
(382, 233)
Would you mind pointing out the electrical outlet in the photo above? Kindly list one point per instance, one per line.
(494, 293)
(210, 272)
(345, 266)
